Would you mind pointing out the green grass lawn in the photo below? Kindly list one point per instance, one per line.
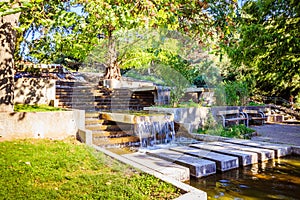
(50, 169)
(35, 108)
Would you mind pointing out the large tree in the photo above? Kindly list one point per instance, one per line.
(74, 35)
(58, 31)
(109, 18)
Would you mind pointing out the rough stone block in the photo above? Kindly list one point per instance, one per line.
(245, 157)
(223, 162)
(167, 168)
(280, 149)
(263, 154)
(198, 167)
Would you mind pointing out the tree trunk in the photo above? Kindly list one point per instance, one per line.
(7, 41)
(112, 66)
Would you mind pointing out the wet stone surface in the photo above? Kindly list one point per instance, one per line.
(280, 149)
(223, 162)
(263, 154)
(245, 157)
(198, 167)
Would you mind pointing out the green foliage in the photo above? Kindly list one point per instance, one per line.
(232, 93)
(189, 104)
(297, 101)
(54, 32)
(175, 80)
(252, 103)
(272, 59)
(236, 131)
(35, 108)
(8, 8)
(49, 169)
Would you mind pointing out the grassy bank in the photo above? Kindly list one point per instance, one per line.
(35, 108)
(45, 169)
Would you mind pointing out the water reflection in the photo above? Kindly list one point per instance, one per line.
(276, 179)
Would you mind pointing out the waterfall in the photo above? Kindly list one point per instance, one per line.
(153, 132)
(163, 95)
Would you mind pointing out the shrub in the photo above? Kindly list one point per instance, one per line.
(237, 131)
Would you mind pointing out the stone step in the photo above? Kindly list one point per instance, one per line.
(118, 127)
(245, 157)
(75, 101)
(70, 83)
(223, 162)
(93, 121)
(198, 167)
(114, 141)
(74, 87)
(96, 127)
(280, 149)
(74, 98)
(112, 134)
(117, 101)
(263, 154)
(72, 103)
(164, 167)
(74, 92)
(92, 115)
(108, 127)
(101, 94)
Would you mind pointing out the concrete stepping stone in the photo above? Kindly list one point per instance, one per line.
(245, 157)
(198, 167)
(164, 167)
(263, 154)
(223, 162)
(280, 149)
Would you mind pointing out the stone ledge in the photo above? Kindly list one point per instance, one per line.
(55, 125)
(190, 192)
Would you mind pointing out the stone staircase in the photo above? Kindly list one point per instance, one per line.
(283, 115)
(94, 98)
(86, 96)
(76, 95)
(108, 133)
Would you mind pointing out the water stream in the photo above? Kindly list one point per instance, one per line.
(276, 179)
(153, 132)
(163, 95)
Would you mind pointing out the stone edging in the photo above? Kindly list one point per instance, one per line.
(191, 192)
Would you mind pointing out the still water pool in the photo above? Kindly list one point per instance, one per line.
(276, 179)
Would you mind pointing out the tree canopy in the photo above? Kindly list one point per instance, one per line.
(265, 50)
(68, 31)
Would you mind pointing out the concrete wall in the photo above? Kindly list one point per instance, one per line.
(193, 118)
(34, 91)
(189, 118)
(56, 125)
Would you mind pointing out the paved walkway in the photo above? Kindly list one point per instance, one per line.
(278, 133)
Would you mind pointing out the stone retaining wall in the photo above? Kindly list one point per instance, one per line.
(34, 91)
(193, 118)
(56, 125)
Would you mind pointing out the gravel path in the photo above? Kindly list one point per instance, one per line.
(278, 133)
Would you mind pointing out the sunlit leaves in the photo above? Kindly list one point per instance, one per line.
(7, 8)
(269, 45)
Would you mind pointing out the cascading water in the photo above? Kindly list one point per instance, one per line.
(153, 132)
(163, 95)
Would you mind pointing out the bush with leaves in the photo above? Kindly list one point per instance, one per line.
(234, 93)
(237, 131)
